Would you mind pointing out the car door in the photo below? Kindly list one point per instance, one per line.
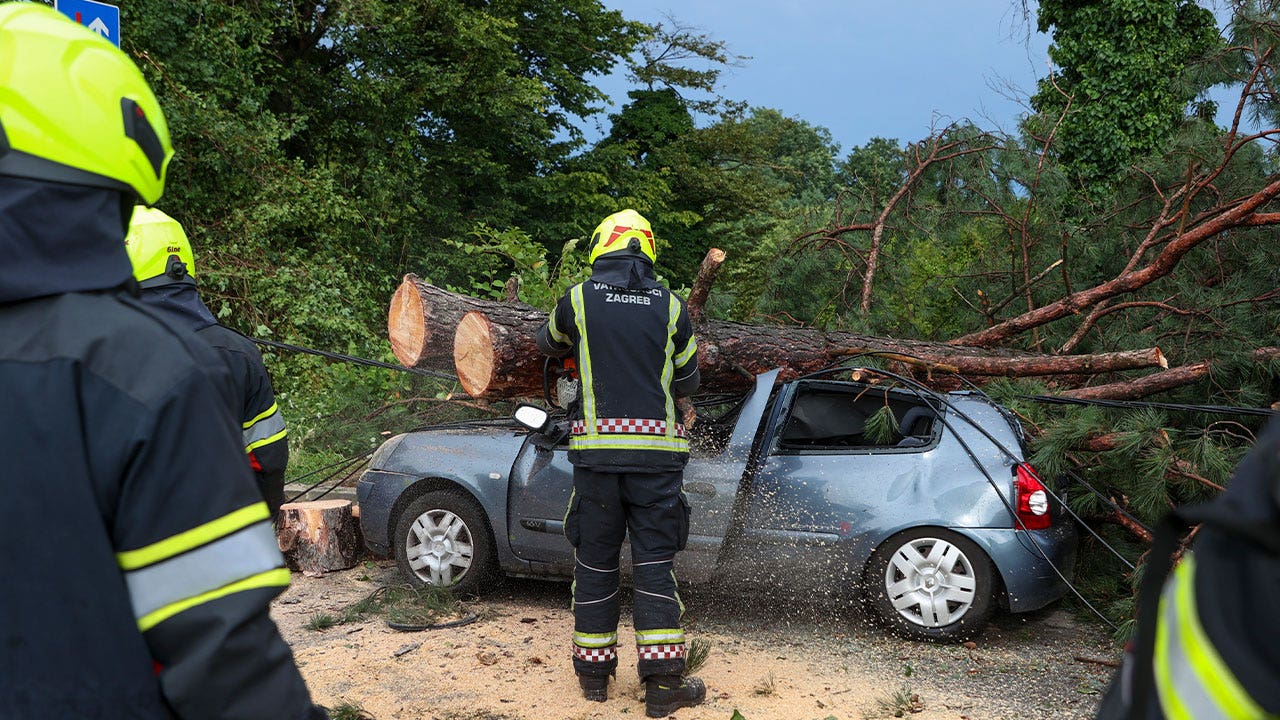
(823, 486)
(542, 480)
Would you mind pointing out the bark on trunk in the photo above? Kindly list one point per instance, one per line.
(495, 355)
(319, 536)
(1159, 382)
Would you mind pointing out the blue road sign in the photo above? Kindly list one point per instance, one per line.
(99, 17)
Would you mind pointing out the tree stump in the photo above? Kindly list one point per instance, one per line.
(319, 536)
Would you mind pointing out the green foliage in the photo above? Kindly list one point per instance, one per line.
(881, 427)
(1120, 93)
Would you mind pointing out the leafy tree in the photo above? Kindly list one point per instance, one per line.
(1120, 92)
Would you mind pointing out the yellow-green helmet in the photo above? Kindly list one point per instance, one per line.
(624, 231)
(74, 109)
(159, 249)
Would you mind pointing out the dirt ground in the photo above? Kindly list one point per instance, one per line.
(772, 657)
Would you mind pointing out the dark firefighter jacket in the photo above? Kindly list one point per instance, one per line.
(635, 351)
(1207, 645)
(253, 400)
(141, 559)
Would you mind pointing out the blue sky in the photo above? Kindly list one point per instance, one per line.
(864, 69)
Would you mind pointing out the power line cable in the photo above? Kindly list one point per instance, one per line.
(1134, 405)
(356, 360)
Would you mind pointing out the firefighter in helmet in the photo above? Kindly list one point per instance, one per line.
(633, 343)
(164, 266)
(146, 556)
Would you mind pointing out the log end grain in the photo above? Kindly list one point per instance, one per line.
(473, 357)
(406, 330)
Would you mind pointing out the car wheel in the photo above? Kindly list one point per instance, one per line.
(931, 584)
(442, 540)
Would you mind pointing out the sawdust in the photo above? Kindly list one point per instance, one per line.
(512, 663)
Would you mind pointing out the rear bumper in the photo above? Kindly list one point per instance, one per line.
(1027, 559)
(377, 492)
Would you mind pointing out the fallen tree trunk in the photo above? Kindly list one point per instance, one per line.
(495, 355)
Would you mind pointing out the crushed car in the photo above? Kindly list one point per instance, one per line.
(934, 518)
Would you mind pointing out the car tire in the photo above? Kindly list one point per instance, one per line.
(931, 584)
(442, 540)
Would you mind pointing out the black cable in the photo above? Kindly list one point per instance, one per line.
(1133, 405)
(356, 360)
(1107, 500)
(346, 465)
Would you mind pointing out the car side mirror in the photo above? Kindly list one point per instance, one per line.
(532, 417)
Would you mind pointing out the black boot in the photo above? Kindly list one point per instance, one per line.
(664, 694)
(594, 687)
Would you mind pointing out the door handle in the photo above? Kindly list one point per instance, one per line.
(705, 489)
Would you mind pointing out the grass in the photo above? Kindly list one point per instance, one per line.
(349, 711)
(899, 703)
(766, 685)
(321, 621)
(696, 656)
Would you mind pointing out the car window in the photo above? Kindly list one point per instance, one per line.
(826, 418)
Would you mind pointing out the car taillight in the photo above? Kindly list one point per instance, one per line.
(1032, 498)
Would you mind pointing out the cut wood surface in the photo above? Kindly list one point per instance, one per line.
(319, 536)
(422, 319)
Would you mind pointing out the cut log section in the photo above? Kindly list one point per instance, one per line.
(422, 319)
(319, 536)
(495, 354)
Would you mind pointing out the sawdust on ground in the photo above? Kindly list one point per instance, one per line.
(771, 658)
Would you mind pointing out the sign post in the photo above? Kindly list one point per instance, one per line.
(99, 17)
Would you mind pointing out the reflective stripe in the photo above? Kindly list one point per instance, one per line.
(668, 368)
(231, 559)
(595, 640)
(265, 429)
(627, 426)
(270, 578)
(193, 538)
(584, 356)
(628, 442)
(554, 331)
(275, 408)
(689, 351)
(1192, 680)
(675, 600)
(659, 637)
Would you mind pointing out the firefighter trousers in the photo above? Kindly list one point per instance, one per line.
(651, 509)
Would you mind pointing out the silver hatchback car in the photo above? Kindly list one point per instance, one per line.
(936, 523)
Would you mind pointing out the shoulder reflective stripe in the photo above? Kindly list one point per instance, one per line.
(270, 578)
(264, 432)
(554, 330)
(628, 442)
(595, 640)
(193, 538)
(1192, 680)
(587, 383)
(231, 559)
(659, 637)
(668, 368)
(275, 408)
(689, 350)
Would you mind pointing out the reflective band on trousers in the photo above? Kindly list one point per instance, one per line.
(171, 583)
(1192, 680)
(264, 429)
(595, 640)
(661, 636)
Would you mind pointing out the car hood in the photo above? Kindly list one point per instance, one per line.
(444, 451)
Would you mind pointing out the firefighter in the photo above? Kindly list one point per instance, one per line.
(141, 557)
(633, 343)
(164, 267)
(1206, 645)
